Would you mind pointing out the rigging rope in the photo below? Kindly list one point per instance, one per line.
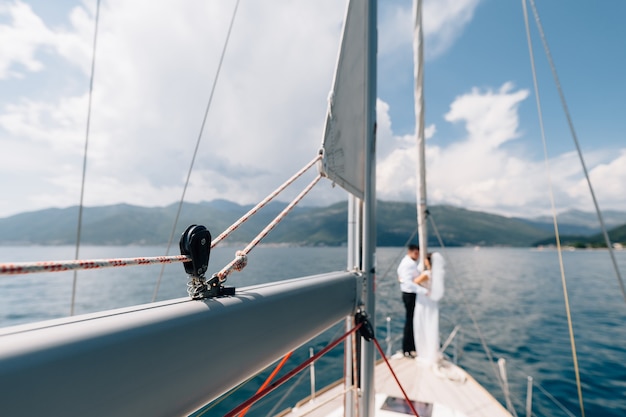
(215, 403)
(400, 254)
(276, 406)
(263, 202)
(250, 401)
(607, 240)
(19, 268)
(542, 389)
(406, 397)
(241, 260)
(269, 379)
(516, 401)
(552, 202)
(87, 128)
(293, 386)
(553, 399)
(469, 310)
(267, 388)
(195, 152)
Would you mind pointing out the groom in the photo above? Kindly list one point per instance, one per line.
(409, 269)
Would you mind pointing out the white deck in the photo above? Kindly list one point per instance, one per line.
(450, 389)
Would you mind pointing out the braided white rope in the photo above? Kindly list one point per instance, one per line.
(263, 202)
(18, 268)
(241, 259)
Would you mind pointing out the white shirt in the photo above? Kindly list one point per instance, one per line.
(407, 271)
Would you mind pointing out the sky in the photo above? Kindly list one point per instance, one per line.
(156, 62)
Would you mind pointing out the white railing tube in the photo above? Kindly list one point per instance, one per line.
(529, 396)
(450, 338)
(388, 338)
(455, 351)
(505, 386)
(312, 371)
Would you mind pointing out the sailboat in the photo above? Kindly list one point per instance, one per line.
(173, 357)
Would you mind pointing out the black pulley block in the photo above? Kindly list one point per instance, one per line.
(366, 331)
(195, 243)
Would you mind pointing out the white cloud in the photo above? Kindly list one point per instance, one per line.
(152, 82)
(20, 40)
(429, 131)
(153, 76)
(443, 23)
(27, 39)
(470, 172)
(491, 117)
(479, 172)
(608, 178)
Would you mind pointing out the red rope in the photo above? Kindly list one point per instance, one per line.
(269, 379)
(289, 375)
(406, 397)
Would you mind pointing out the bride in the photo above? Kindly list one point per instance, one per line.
(426, 316)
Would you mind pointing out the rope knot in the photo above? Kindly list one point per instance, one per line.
(241, 261)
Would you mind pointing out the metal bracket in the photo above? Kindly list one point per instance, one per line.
(195, 243)
(366, 331)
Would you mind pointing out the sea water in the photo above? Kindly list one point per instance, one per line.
(514, 295)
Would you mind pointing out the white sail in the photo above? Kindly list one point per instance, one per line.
(344, 143)
(349, 155)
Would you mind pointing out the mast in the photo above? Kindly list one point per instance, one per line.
(418, 57)
(354, 260)
(369, 206)
(349, 157)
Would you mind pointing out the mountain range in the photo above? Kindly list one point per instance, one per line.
(124, 224)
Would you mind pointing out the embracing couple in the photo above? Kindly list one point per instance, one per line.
(422, 285)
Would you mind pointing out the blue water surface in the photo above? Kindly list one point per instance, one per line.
(515, 296)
